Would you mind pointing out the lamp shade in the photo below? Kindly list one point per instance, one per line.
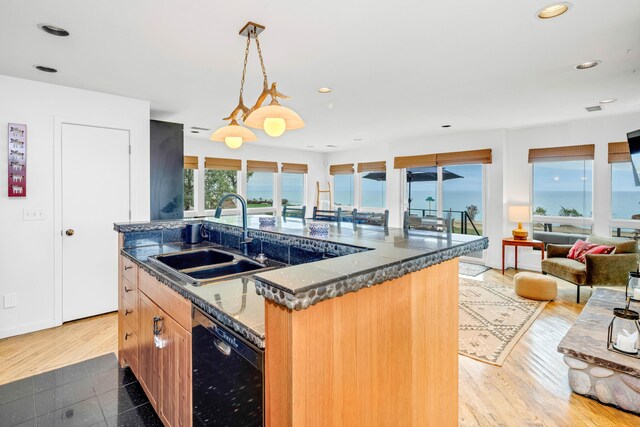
(274, 110)
(233, 135)
(521, 213)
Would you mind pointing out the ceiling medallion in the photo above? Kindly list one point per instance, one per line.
(273, 118)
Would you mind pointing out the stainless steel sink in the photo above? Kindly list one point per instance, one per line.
(202, 266)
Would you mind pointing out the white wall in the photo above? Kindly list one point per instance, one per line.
(27, 247)
(203, 147)
(508, 178)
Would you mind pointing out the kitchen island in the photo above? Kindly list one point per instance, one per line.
(360, 327)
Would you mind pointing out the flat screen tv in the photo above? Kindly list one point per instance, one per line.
(634, 148)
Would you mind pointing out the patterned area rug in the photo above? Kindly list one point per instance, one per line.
(469, 269)
(492, 320)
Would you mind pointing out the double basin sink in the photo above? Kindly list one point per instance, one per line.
(202, 266)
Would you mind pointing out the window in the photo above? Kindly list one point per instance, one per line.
(373, 185)
(220, 177)
(627, 233)
(189, 192)
(625, 196)
(342, 184)
(216, 183)
(292, 189)
(422, 191)
(462, 196)
(259, 189)
(563, 189)
(189, 182)
(343, 190)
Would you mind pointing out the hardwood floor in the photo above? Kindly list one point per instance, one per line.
(42, 351)
(530, 389)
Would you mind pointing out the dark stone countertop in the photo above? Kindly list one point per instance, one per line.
(587, 338)
(372, 255)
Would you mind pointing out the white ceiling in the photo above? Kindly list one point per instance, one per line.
(398, 68)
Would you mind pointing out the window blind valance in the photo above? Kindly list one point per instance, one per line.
(464, 157)
(222, 164)
(406, 162)
(562, 154)
(372, 167)
(444, 159)
(260, 166)
(345, 169)
(619, 152)
(190, 162)
(295, 168)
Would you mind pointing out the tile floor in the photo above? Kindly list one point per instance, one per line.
(95, 392)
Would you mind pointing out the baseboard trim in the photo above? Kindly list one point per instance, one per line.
(25, 329)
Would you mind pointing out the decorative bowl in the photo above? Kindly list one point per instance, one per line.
(319, 227)
(267, 220)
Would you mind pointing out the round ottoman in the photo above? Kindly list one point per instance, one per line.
(535, 286)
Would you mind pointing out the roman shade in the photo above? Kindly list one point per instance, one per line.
(294, 168)
(471, 157)
(345, 169)
(406, 162)
(562, 154)
(619, 152)
(260, 166)
(222, 164)
(372, 167)
(190, 162)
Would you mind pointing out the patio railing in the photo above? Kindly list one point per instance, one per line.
(465, 219)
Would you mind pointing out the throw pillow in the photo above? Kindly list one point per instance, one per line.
(598, 249)
(579, 248)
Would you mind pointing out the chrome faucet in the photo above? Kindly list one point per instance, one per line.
(245, 230)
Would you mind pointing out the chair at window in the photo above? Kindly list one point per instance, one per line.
(326, 215)
(291, 212)
(381, 219)
(598, 270)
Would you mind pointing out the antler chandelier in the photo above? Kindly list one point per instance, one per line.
(273, 118)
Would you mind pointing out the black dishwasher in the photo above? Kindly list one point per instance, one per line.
(227, 376)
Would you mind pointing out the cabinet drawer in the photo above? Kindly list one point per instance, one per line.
(128, 293)
(175, 305)
(129, 312)
(149, 285)
(129, 270)
(130, 346)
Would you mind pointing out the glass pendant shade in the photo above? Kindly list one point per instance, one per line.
(262, 118)
(233, 135)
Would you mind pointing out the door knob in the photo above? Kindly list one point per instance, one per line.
(69, 232)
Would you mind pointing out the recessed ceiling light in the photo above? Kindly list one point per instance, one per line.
(554, 10)
(446, 126)
(357, 139)
(325, 90)
(608, 101)
(331, 146)
(310, 146)
(588, 64)
(195, 131)
(54, 31)
(45, 69)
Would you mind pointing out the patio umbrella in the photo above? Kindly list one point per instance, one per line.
(416, 175)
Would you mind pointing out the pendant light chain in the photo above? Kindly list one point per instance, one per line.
(244, 67)
(264, 71)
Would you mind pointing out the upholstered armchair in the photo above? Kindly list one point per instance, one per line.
(610, 270)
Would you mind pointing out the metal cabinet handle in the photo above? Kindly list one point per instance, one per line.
(127, 290)
(128, 267)
(222, 346)
(69, 232)
(127, 335)
(157, 325)
(128, 312)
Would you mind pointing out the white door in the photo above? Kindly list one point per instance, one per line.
(95, 194)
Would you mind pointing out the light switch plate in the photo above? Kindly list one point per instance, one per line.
(33, 214)
(10, 300)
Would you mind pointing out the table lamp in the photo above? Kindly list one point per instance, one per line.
(520, 214)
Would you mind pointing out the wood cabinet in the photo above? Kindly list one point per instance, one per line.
(148, 309)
